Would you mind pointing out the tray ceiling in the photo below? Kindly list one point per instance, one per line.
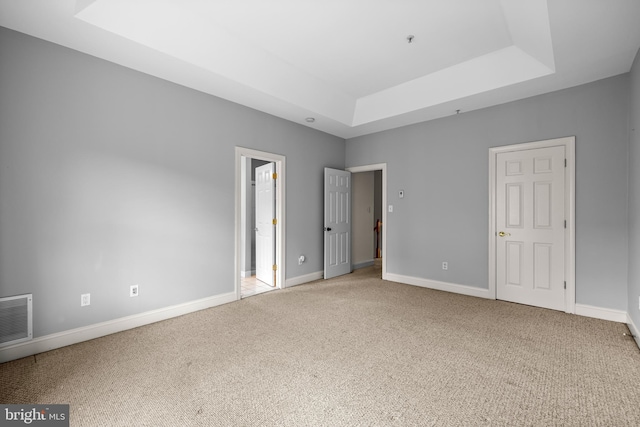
(356, 66)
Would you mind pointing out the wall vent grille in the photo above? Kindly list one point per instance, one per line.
(16, 323)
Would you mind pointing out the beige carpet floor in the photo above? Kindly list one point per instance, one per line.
(353, 351)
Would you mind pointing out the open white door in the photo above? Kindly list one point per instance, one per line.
(337, 222)
(530, 227)
(265, 227)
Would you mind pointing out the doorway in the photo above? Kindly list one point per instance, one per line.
(369, 217)
(260, 219)
(532, 227)
(366, 221)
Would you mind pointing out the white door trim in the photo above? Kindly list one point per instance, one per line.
(280, 162)
(383, 168)
(570, 242)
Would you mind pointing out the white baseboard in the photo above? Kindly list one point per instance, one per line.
(581, 309)
(441, 286)
(294, 281)
(74, 336)
(601, 313)
(363, 264)
(634, 329)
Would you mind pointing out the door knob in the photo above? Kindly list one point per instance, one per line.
(502, 234)
(327, 229)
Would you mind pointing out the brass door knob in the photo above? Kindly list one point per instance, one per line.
(502, 234)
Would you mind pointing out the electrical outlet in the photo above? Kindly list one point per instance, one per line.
(85, 299)
(133, 291)
(300, 259)
(445, 265)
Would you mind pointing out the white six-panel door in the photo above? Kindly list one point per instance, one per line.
(337, 222)
(265, 229)
(530, 227)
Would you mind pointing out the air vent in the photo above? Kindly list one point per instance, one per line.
(15, 319)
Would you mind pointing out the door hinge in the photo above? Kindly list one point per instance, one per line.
(275, 267)
(565, 285)
(275, 221)
(565, 223)
(565, 163)
(275, 175)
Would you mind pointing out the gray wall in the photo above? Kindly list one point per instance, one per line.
(443, 167)
(109, 177)
(634, 194)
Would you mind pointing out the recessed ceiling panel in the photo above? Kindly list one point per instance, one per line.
(361, 46)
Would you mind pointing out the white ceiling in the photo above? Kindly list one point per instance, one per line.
(348, 63)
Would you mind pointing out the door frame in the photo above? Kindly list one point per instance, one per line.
(280, 192)
(569, 143)
(379, 167)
